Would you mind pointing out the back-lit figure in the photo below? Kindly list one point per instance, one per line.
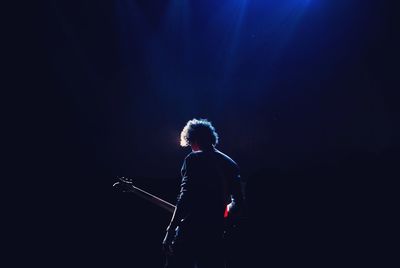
(209, 200)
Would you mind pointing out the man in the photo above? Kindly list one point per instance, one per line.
(210, 194)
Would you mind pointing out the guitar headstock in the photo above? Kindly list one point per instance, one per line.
(125, 180)
(123, 184)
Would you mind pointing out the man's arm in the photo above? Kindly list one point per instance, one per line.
(180, 211)
(184, 194)
(237, 191)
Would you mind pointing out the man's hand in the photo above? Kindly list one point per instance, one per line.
(167, 242)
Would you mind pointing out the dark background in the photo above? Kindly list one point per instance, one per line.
(302, 94)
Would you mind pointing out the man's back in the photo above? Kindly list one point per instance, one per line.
(209, 178)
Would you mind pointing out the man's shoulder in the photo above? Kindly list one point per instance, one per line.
(192, 156)
(226, 158)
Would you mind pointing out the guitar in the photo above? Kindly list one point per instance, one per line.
(126, 185)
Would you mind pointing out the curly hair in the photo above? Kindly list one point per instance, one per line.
(199, 131)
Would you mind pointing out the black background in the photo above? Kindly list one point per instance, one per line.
(306, 106)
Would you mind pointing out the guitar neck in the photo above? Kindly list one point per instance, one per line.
(152, 198)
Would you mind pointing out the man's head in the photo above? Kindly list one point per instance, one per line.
(199, 133)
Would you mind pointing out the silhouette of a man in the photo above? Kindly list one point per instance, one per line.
(210, 187)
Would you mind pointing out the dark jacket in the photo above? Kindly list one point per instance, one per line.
(210, 181)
